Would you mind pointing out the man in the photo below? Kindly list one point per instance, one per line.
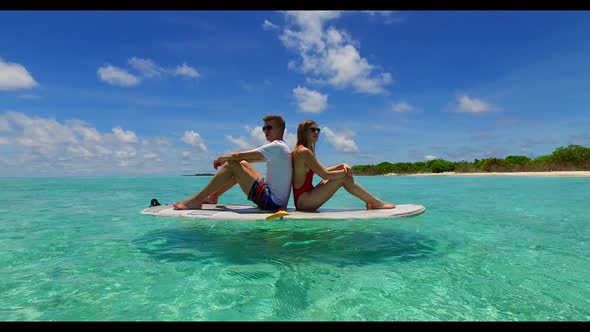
(270, 192)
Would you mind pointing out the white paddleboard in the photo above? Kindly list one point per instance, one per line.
(253, 213)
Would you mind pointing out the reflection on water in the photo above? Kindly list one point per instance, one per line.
(285, 244)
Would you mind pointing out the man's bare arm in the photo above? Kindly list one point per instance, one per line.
(250, 156)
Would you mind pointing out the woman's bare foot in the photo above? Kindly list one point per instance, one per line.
(379, 205)
(183, 206)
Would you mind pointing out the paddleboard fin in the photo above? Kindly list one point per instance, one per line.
(279, 214)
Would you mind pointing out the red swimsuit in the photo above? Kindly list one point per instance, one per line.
(307, 185)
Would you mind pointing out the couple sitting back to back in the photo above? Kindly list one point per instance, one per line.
(283, 171)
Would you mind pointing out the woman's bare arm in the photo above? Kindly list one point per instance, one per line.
(343, 166)
(335, 167)
(318, 168)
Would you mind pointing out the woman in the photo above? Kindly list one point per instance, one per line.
(305, 165)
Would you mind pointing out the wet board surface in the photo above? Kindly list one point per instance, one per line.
(253, 213)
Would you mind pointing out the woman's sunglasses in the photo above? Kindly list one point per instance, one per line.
(315, 130)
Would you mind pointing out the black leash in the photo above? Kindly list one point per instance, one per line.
(154, 202)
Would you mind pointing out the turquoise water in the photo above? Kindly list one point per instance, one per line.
(487, 248)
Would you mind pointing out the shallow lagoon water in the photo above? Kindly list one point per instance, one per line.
(487, 248)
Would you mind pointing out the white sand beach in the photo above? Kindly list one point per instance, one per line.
(568, 174)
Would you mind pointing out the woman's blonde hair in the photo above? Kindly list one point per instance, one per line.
(302, 135)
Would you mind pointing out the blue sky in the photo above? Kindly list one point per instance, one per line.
(165, 92)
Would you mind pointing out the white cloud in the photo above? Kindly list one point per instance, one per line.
(378, 12)
(473, 105)
(342, 142)
(292, 65)
(309, 100)
(88, 134)
(32, 145)
(255, 138)
(290, 139)
(194, 139)
(430, 157)
(160, 141)
(124, 136)
(328, 55)
(38, 145)
(116, 76)
(402, 107)
(4, 125)
(80, 151)
(146, 67)
(14, 76)
(186, 70)
(241, 143)
(39, 133)
(186, 155)
(267, 25)
(388, 15)
(150, 155)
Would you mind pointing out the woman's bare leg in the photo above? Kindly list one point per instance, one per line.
(326, 189)
(312, 200)
(371, 202)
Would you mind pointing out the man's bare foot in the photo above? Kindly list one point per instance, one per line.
(211, 199)
(182, 206)
(379, 205)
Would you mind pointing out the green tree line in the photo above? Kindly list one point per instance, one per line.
(570, 158)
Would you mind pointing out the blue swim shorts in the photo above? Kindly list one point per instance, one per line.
(260, 195)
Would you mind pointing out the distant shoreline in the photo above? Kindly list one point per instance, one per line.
(569, 174)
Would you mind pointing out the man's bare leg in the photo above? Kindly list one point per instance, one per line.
(214, 197)
(223, 176)
(231, 172)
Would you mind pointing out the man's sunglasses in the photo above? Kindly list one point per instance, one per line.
(265, 128)
(314, 130)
